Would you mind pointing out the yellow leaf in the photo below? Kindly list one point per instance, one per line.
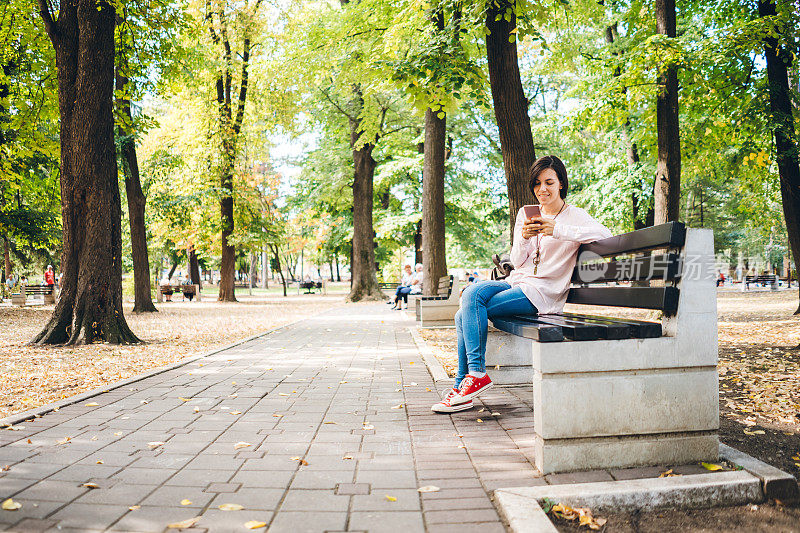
(134, 507)
(240, 445)
(92, 404)
(712, 467)
(398, 406)
(236, 412)
(368, 426)
(479, 420)
(186, 502)
(185, 524)
(11, 505)
(99, 462)
(283, 394)
(254, 524)
(196, 409)
(390, 498)
(428, 488)
(184, 399)
(155, 444)
(231, 507)
(90, 485)
(796, 457)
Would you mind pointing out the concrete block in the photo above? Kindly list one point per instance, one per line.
(625, 403)
(569, 455)
(510, 375)
(719, 489)
(523, 513)
(776, 484)
(505, 349)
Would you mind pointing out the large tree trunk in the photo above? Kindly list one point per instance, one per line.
(668, 168)
(194, 267)
(6, 258)
(143, 300)
(778, 62)
(364, 284)
(277, 257)
(253, 274)
(418, 243)
(434, 261)
(90, 307)
(510, 107)
(227, 265)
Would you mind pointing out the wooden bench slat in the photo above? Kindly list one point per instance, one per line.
(662, 266)
(608, 330)
(663, 298)
(543, 333)
(669, 235)
(571, 330)
(641, 329)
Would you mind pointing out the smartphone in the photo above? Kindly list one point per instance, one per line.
(531, 211)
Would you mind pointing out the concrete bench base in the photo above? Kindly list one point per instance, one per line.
(433, 313)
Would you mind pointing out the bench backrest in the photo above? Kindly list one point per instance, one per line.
(445, 286)
(664, 265)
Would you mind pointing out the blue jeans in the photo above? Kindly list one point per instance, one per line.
(402, 292)
(479, 302)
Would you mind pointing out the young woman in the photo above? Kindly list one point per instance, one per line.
(544, 253)
(404, 288)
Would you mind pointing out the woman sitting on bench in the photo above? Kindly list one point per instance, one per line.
(411, 283)
(544, 253)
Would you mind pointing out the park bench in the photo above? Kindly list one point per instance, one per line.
(310, 286)
(45, 291)
(763, 280)
(616, 393)
(388, 285)
(439, 310)
(184, 290)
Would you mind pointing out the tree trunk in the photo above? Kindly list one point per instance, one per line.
(434, 261)
(338, 275)
(173, 269)
(778, 62)
(194, 267)
(264, 270)
(143, 299)
(6, 258)
(668, 168)
(364, 285)
(253, 270)
(277, 257)
(90, 307)
(510, 107)
(418, 243)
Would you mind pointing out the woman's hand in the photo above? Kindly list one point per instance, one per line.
(538, 226)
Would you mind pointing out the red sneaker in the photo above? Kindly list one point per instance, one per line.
(447, 405)
(472, 386)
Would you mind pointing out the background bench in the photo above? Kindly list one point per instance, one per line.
(47, 292)
(763, 279)
(184, 291)
(439, 310)
(611, 393)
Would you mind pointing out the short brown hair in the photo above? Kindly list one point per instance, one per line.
(552, 162)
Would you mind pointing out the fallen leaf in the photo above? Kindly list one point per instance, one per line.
(240, 445)
(482, 409)
(185, 524)
(90, 485)
(329, 422)
(11, 505)
(196, 409)
(134, 507)
(186, 502)
(496, 414)
(428, 488)
(283, 394)
(236, 412)
(796, 457)
(756, 432)
(118, 433)
(668, 473)
(231, 507)
(479, 420)
(390, 498)
(65, 440)
(29, 441)
(99, 462)
(347, 457)
(155, 444)
(276, 415)
(91, 404)
(398, 406)
(712, 467)
(368, 426)
(184, 399)
(254, 524)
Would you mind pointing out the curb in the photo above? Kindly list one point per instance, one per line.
(36, 412)
(755, 483)
(435, 368)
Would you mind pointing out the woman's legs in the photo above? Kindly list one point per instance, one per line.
(484, 300)
(403, 294)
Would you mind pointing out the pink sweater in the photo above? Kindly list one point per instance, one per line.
(547, 289)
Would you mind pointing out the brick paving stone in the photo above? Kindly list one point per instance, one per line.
(33, 525)
(222, 487)
(579, 477)
(217, 521)
(321, 500)
(251, 498)
(92, 516)
(483, 527)
(458, 503)
(307, 522)
(387, 521)
(154, 519)
(352, 488)
(388, 479)
(462, 516)
(406, 500)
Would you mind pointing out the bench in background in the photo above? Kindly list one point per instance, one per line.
(47, 292)
(184, 290)
(763, 280)
(611, 393)
(439, 310)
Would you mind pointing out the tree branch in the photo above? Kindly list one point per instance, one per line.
(47, 17)
(336, 105)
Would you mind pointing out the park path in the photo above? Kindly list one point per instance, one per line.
(346, 392)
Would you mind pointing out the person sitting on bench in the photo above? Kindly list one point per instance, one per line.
(406, 283)
(544, 254)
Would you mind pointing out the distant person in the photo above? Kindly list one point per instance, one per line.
(50, 278)
(406, 282)
(721, 280)
(166, 289)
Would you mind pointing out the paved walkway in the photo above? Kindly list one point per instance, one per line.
(334, 430)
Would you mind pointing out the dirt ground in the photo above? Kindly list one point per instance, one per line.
(34, 376)
(759, 404)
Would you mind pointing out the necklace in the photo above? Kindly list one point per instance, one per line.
(537, 257)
